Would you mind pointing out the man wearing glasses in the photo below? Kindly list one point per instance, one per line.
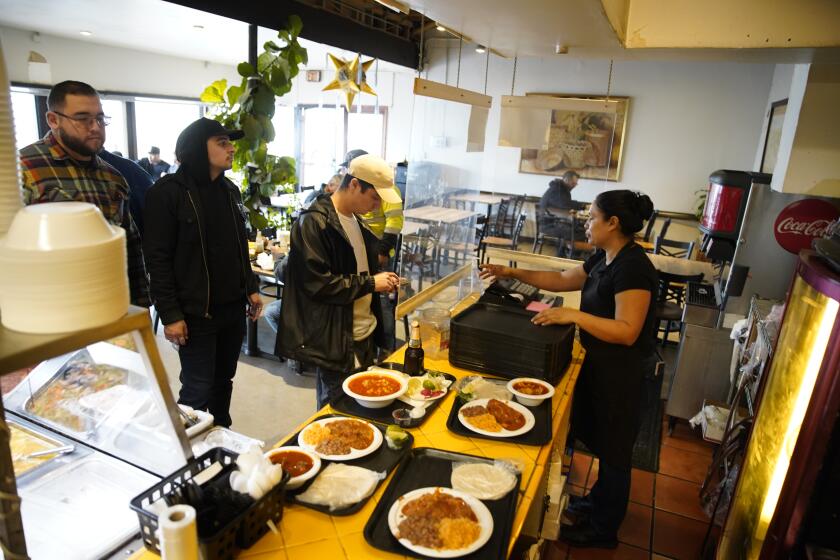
(64, 166)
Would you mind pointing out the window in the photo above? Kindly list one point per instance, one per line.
(159, 122)
(365, 131)
(116, 135)
(284, 131)
(330, 132)
(25, 117)
(323, 144)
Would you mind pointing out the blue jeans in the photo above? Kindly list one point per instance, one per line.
(272, 314)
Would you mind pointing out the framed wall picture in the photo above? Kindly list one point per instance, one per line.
(590, 143)
(776, 119)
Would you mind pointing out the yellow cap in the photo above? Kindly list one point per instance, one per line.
(376, 171)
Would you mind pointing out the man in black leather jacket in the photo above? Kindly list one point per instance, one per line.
(331, 315)
(197, 257)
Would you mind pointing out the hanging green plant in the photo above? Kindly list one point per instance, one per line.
(250, 106)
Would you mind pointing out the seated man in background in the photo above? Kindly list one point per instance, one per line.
(64, 166)
(330, 187)
(558, 197)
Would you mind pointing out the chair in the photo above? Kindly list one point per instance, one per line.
(457, 239)
(572, 246)
(649, 227)
(665, 225)
(676, 249)
(420, 251)
(497, 224)
(504, 242)
(670, 300)
(540, 236)
(512, 215)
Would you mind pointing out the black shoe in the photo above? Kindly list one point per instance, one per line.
(583, 535)
(579, 506)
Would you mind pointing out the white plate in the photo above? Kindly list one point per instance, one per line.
(485, 520)
(354, 453)
(529, 419)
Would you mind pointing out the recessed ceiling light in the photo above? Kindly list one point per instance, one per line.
(441, 28)
(480, 49)
(86, 33)
(198, 26)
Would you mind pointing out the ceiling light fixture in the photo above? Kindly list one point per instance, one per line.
(198, 26)
(394, 5)
(480, 49)
(86, 33)
(441, 28)
(560, 49)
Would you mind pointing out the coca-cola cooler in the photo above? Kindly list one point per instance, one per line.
(766, 228)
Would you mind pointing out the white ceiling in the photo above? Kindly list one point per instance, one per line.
(151, 25)
(521, 28)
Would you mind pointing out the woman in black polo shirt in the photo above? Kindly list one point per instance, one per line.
(616, 320)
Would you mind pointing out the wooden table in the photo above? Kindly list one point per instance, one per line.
(306, 534)
(477, 198)
(683, 267)
(438, 214)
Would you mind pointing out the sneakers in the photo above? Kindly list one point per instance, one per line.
(584, 535)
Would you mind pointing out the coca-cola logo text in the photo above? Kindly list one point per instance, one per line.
(800, 222)
(815, 228)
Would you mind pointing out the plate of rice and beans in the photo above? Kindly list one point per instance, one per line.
(440, 522)
(340, 439)
(496, 418)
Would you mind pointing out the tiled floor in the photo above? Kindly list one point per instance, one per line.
(664, 519)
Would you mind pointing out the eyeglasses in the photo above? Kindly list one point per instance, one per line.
(88, 122)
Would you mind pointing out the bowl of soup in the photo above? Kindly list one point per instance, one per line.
(298, 462)
(375, 389)
(530, 391)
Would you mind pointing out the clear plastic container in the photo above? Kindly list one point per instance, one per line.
(434, 332)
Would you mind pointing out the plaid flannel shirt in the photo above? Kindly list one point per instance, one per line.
(51, 175)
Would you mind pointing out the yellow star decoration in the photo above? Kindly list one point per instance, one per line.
(348, 78)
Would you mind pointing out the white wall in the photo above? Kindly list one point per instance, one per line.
(814, 161)
(686, 119)
(127, 70)
(779, 89)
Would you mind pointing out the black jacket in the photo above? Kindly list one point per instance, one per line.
(316, 319)
(558, 195)
(175, 244)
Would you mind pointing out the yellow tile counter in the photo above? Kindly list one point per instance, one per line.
(306, 534)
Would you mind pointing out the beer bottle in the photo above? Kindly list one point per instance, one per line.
(413, 363)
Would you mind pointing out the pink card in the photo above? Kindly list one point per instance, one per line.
(537, 306)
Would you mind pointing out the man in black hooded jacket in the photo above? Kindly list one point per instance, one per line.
(197, 258)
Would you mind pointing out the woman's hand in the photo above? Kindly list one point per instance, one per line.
(492, 271)
(555, 316)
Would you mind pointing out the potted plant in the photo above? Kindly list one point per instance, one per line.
(250, 106)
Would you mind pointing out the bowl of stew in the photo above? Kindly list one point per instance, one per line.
(530, 391)
(375, 389)
(298, 462)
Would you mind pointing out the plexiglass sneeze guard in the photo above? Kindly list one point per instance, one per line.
(106, 395)
(444, 176)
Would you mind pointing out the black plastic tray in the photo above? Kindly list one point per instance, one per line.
(383, 459)
(433, 467)
(348, 405)
(540, 434)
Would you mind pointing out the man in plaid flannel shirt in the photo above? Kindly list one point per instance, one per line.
(64, 166)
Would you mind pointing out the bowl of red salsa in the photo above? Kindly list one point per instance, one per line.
(375, 389)
(530, 391)
(298, 462)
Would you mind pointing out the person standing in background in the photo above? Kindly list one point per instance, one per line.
(138, 183)
(197, 255)
(153, 165)
(330, 187)
(64, 166)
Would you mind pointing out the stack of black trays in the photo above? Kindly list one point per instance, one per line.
(502, 340)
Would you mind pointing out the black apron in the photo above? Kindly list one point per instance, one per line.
(608, 394)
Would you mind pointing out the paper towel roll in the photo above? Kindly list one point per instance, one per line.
(178, 534)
